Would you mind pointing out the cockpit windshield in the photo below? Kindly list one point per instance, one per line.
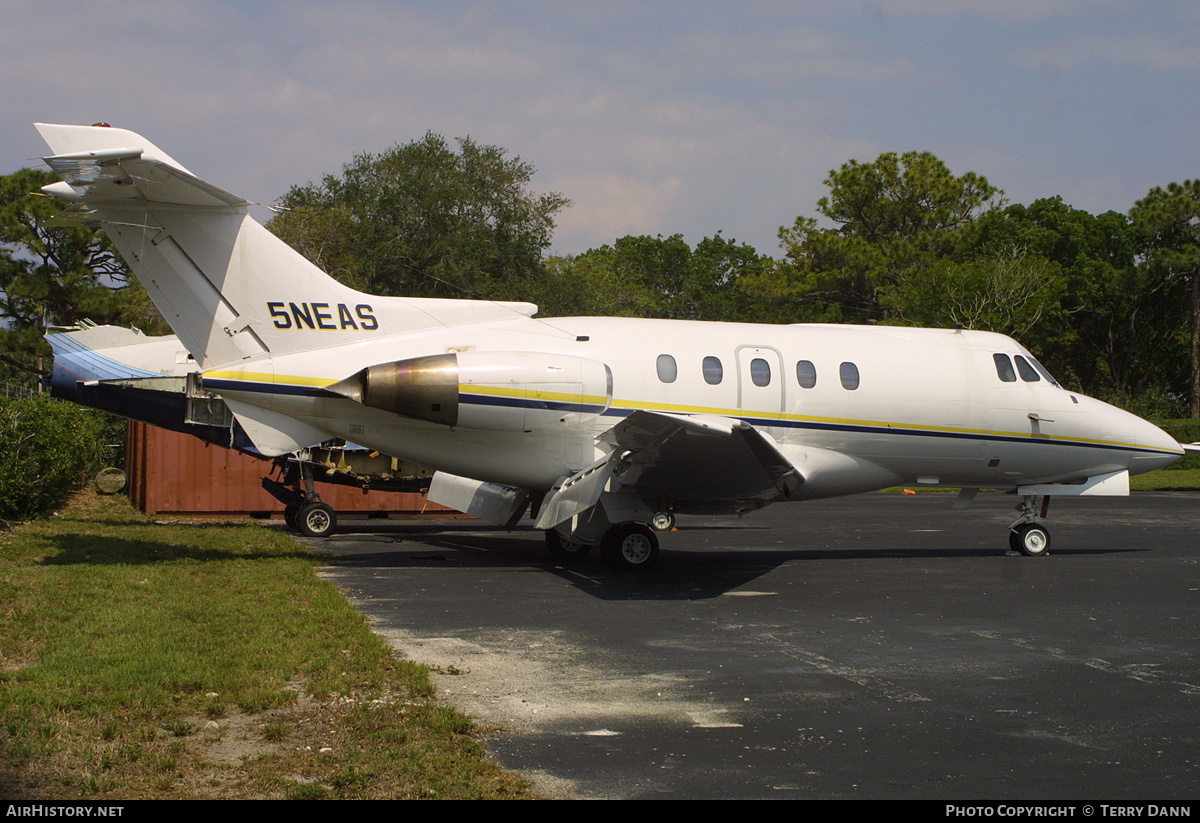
(1042, 370)
(1027, 366)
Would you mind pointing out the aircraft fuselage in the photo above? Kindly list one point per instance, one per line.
(920, 406)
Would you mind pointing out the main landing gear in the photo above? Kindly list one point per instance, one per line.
(313, 519)
(565, 548)
(629, 546)
(303, 509)
(1026, 535)
(623, 547)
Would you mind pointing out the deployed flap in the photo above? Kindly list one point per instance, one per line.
(707, 460)
(577, 493)
(644, 429)
(678, 461)
(273, 433)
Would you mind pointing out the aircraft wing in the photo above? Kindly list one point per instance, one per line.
(676, 461)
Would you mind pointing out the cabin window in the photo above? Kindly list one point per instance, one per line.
(806, 374)
(712, 370)
(849, 375)
(760, 372)
(667, 370)
(1004, 368)
(1028, 373)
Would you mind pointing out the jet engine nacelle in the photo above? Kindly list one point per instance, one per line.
(493, 391)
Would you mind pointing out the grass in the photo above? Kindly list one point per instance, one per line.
(1166, 480)
(146, 660)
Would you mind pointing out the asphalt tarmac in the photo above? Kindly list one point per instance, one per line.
(879, 646)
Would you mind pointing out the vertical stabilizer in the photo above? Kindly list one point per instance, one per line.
(225, 284)
(230, 289)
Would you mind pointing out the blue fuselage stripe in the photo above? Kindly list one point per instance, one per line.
(760, 422)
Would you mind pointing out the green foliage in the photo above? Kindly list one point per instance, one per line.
(49, 448)
(56, 275)
(1011, 295)
(1184, 430)
(1168, 223)
(643, 276)
(911, 198)
(894, 216)
(1101, 297)
(422, 219)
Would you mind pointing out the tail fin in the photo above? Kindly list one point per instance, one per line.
(230, 289)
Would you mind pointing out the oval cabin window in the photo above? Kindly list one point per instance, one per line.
(713, 373)
(667, 370)
(760, 372)
(849, 374)
(806, 374)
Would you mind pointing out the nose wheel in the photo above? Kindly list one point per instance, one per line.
(1030, 539)
(1026, 535)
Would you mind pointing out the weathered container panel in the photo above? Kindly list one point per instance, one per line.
(177, 473)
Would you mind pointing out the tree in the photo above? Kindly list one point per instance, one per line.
(644, 276)
(1168, 223)
(56, 275)
(893, 216)
(1006, 294)
(422, 219)
(1113, 331)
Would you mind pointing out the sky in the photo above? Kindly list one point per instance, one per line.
(666, 118)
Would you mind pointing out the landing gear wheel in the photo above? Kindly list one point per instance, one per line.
(1029, 539)
(565, 548)
(629, 546)
(316, 520)
(663, 521)
(289, 516)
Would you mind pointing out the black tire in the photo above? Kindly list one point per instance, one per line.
(289, 516)
(1030, 539)
(565, 548)
(629, 546)
(316, 520)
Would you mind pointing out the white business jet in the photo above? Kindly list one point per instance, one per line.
(602, 428)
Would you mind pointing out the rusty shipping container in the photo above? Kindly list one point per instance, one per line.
(176, 473)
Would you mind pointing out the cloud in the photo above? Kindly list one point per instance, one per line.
(609, 206)
(655, 118)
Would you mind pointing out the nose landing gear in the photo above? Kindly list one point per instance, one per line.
(1026, 535)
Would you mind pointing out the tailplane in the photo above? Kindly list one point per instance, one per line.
(230, 289)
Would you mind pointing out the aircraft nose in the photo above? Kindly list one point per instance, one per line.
(1159, 448)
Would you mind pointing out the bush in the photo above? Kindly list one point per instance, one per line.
(47, 449)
